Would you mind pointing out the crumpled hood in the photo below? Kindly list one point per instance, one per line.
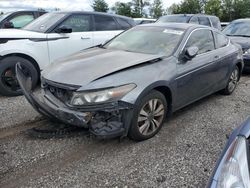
(20, 34)
(243, 41)
(89, 65)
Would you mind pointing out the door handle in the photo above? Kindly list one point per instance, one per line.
(84, 38)
(216, 57)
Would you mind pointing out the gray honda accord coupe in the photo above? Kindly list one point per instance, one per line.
(129, 85)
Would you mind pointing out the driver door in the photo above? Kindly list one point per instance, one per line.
(64, 44)
(195, 77)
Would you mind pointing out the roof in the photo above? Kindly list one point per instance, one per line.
(242, 19)
(91, 12)
(183, 26)
(145, 19)
(189, 15)
(24, 11)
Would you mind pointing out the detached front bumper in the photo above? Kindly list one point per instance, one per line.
(104, 121)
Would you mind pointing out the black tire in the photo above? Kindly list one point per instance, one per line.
(232, 82)
(8, 82)
(134, 132)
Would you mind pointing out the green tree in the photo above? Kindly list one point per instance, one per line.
(241, 9)
(156, 9)
(123, 9)
(213, 7)
(174, 9)
(100, 6)
(138, 8)
(191, 7)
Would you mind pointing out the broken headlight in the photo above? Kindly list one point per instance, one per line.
(234, 169)
(99, 96)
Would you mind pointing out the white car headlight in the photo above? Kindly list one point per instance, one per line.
(99, 96)
(235, 169)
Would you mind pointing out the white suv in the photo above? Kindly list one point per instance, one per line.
(52, 36)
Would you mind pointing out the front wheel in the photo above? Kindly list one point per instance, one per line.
(233, 82)
(8, 82)
(149, 116)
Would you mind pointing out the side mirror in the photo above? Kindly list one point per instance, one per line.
(8, 25)
(63, 29)
(191, 52)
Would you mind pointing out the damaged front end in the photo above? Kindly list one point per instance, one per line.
(106, 120)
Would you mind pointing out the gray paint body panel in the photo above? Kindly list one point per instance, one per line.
(188, 81)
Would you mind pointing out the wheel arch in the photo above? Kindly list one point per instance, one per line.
(240, 66)
(161, 86)
(25, 56)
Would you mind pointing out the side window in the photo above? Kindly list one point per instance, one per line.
(123, 23)
(194, 20)
(215, 22)
(78, 23)
(221, 40)
(104, 23)
(21, 20)
(204, 21)
(203, 39)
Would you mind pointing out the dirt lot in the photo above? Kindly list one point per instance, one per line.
(183, 154)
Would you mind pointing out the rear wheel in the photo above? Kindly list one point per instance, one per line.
(233, 82)
(149, 116)
(8, 83)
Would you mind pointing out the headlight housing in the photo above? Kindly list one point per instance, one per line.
(234, 167)
(247, 51)
(100, 96)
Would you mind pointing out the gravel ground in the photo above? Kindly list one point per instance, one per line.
(15, 111)
(182, 154)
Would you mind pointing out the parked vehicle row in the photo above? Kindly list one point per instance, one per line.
(50, 37)
(18, 19)
(239, 32)
(202, 19)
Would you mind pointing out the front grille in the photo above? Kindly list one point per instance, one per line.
(61, 94)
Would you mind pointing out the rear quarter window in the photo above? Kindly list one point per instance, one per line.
(216, 22)
(220, 40)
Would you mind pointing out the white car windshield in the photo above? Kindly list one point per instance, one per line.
(238, 28)
(43, 23)
(147, 39)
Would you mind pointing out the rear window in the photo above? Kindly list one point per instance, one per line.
(174, 18)
(204, 21)
(123, 23)
(104, 23)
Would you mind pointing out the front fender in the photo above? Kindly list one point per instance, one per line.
(36, 50)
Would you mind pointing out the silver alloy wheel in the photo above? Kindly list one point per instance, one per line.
(150, 117)
(233, 80)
